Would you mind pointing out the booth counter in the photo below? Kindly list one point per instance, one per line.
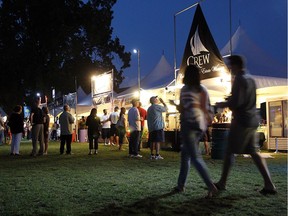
(219, 137)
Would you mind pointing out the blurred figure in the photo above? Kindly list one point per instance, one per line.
(46, 122)
(156, 126)
(66, 121)
(206, 140)
(242, 136)
(16, 124)
(93, 123)
(7, 133)
(143, 115)
(105, 127)
(36, 119)
(82, 123)
(194, 103)
(135, 128)
(121, 127)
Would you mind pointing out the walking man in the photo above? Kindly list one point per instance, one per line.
(242, 136)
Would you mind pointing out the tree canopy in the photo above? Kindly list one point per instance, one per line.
(52, 43)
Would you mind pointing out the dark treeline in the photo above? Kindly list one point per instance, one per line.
(47, 43)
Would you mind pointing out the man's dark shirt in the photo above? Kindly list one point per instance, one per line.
(38, 115)
(242, 102)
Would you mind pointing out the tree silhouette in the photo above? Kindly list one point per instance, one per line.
(49, 43)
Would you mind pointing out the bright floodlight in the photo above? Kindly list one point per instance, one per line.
(135, 51)
(38, 94)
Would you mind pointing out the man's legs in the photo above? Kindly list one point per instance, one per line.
(68, 143)
(228, 161)
(35, 134)
(62, 143)
(262, 167)
(41, 138)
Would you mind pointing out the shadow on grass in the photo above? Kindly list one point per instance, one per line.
(155, 205)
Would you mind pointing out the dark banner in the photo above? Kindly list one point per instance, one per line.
(201, 50)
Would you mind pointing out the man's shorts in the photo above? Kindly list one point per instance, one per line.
(113, 130)
(157, 136)
(242, 140)
(105, 133)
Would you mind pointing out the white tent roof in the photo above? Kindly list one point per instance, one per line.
(161, 76)
(258, 61)
(83, 99)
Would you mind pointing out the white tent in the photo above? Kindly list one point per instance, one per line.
(161, 76)
(259, 62)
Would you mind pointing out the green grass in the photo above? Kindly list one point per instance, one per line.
(113, 184)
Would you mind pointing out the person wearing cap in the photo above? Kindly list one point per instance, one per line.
(242, 137)
(156, 125)
(134, 121)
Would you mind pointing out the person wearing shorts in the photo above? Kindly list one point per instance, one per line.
(156, 125)
(105, 127)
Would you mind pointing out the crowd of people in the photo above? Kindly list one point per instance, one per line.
(194, 109)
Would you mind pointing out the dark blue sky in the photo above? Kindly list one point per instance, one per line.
(148, 26)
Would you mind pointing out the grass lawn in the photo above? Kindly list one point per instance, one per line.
(110, 183)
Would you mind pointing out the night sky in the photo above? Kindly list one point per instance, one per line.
(148, 26)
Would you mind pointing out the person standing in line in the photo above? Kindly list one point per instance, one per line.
(1, 130)
(143, 115)
(7, 133)
(242, 137)
(194, 104)
(46, 122)
(54, 131)
(105, 127)
(121, 127)
(66, 121)
(16, 124)
(82, 123)
(114, 137)
(156, 125)
(93, 123)
(135, 128)
(36, 119)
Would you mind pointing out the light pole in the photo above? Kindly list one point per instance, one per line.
(139, 85)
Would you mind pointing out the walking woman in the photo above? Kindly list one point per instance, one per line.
(194, 103)
(93, 122)
(16, 124)
(121, 127)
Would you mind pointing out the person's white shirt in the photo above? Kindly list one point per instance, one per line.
(114, 117)
(106, 124)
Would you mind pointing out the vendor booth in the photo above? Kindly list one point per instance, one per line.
(277, 123)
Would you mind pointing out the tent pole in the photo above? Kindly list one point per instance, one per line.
(230, 21)
(175, 60)
(112, 95)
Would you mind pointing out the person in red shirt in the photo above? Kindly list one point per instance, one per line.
(143, 114)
